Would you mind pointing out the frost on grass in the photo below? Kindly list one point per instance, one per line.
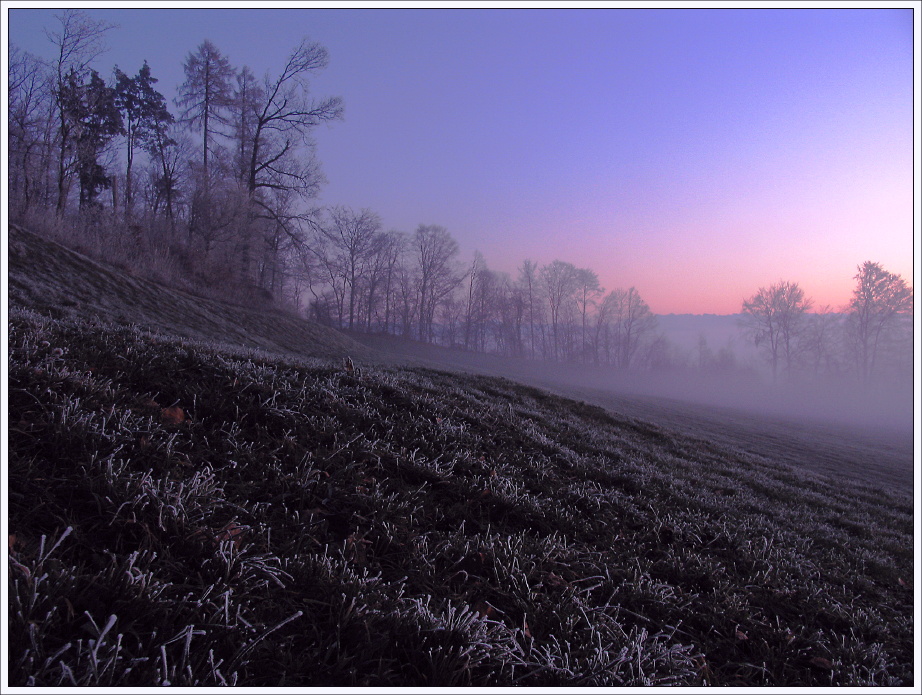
(185, 514)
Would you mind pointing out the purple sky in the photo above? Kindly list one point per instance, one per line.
(694, 154)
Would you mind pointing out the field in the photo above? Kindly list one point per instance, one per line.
(866, 442)
(187, 511)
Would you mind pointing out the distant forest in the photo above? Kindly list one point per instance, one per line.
(213, 194)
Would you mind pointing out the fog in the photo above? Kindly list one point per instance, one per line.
(879, 406)
(833, 428)
(876, 407)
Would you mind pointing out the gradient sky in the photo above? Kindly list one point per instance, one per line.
(696, 154)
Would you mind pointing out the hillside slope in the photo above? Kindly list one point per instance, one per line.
(53, 280)
(190, 516)
(860, 448)
(200, 513)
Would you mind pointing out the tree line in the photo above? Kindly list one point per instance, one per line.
(220, 191)
(217, 196)
(363, 278)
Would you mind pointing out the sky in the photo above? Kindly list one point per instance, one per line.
(695, 154)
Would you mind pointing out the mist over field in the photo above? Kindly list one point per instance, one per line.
(838, 428)
(887, 406)
(882, 404)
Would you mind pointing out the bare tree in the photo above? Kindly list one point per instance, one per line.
(350, 240)
(281, 243)
(560, 282)
(773, 318)
(821, 341)
(659, 354)
(528, 279)
(880, 301)
(478, 268)
(276, 151)
(434, 251)
(407, 300)
(169, 151)
(376, 280)
(588, 290)
(485, 308)
(247, 102)
(281, 118)
(377, 284)
(602, 342)
(511, 303)
(328, 264)
(449, 316)
(633, 321)
(30, 127)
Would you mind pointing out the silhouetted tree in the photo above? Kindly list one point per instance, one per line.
(880, 300)
(480, 302)
(281, 242)
(144, 114)
(434, 251)
(169, 152)
(93, 119)
(79, 41)
(602, 339)
(407, 299)
(206, 95)
(487, 308)
(281, 117)
(659, 354)
(277, 118)
(31, 129)
(247, 99)
(374, 282)
(528, 279)
(349, 243)
(560, 281)
(821, 341)
(205, 99)
(390, 253)
(588, 290)
(633, 322)
(512, 305)
(773, 318)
